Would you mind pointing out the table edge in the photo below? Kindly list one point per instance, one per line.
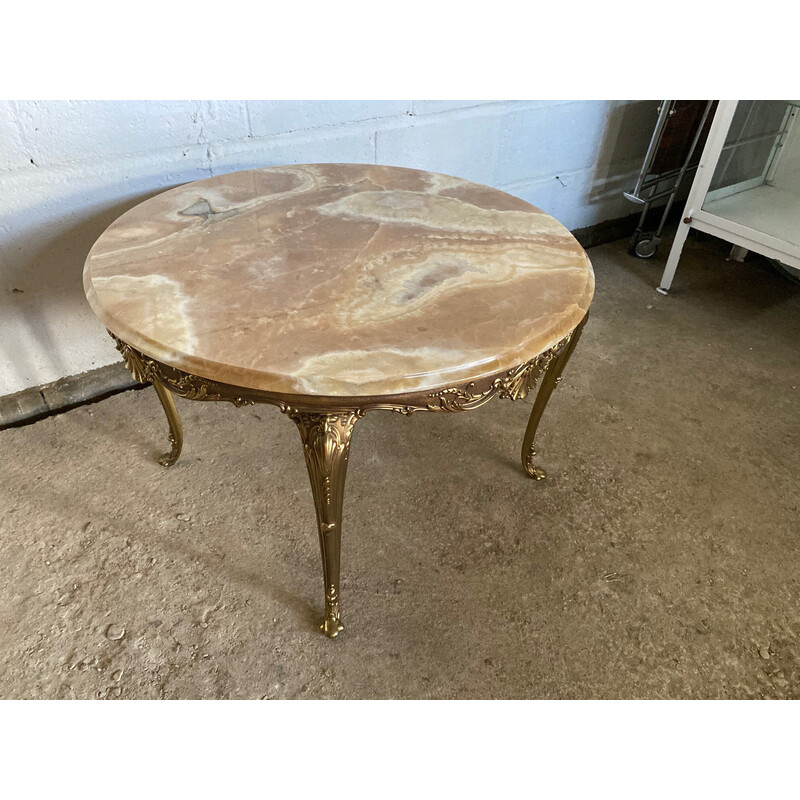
(514, 384)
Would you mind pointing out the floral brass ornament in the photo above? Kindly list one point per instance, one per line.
(326, 426)
(515, 385)
(184, 384)
(142, 368)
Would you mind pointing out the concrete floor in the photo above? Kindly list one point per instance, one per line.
(659, 560)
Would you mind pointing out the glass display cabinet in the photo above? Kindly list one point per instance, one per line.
(747, 186)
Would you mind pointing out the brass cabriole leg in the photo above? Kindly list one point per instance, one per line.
(326, 445)
(175, 427)
(551, 377)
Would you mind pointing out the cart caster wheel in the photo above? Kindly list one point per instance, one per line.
(633, 242)
(792, 273)
(646, 248)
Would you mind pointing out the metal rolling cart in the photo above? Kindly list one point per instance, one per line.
(680, 132)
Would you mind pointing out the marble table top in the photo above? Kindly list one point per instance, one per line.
(338, 279)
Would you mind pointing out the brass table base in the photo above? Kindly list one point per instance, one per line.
(326, 428)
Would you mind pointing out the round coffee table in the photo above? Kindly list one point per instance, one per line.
(330, 290)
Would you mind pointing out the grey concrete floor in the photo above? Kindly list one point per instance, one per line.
(660, 559)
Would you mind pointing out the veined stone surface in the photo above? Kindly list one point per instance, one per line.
(338, 279)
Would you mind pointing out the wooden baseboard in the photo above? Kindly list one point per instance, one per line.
(37, 402)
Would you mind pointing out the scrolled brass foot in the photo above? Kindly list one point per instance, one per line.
(168, 459)
(537, 473)
(332, 624)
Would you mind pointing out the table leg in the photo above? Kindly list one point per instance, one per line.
(552, 376)
(175, 427)
(326, 445)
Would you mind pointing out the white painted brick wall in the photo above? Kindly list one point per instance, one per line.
(68, 169)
